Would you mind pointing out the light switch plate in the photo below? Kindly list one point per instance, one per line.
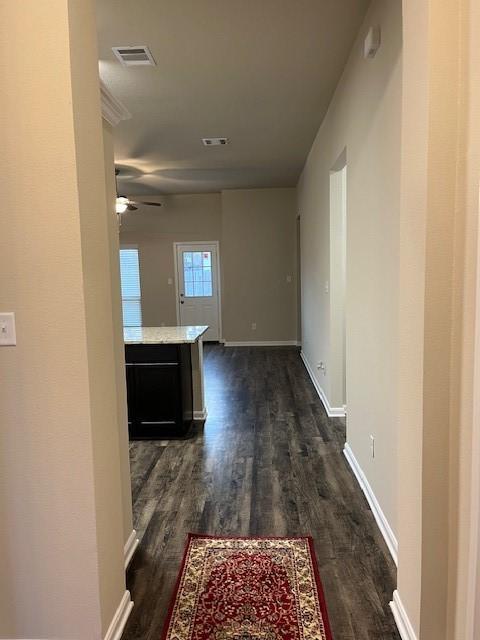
(8, 336)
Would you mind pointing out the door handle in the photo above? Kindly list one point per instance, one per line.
(182, 301)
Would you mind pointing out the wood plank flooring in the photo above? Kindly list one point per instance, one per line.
(268, 462)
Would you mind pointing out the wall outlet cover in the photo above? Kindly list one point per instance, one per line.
(372, 42)
(8, 337)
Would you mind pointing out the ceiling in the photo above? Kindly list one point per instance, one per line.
(260, 72)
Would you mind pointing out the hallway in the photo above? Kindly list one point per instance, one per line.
(268, 462)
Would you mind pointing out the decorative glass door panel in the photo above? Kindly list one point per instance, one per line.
(197, 284)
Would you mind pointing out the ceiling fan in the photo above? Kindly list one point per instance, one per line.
(123, 203)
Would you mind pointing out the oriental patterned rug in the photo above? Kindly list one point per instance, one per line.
(248, 589)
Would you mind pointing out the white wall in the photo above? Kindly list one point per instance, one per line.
(363, 118)
(62, 573)
(256, 229)
(337, 289)
(258, 254)
(118, 343)
(438, 236)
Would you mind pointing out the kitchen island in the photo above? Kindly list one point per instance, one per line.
(164, 368)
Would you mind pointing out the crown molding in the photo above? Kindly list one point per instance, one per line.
(113, 110)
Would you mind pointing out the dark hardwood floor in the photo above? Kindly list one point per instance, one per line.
(267, 462)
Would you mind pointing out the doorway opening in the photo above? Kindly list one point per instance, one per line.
(338, 281)
(197, 286)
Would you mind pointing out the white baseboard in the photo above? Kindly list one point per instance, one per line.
(332, 412)
(120, 618)
(404, 625)
(130, 547)
(200, 416)
(265, 343)
(379, 516)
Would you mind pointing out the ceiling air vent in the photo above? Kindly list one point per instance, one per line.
(214, 142)
(134, 56)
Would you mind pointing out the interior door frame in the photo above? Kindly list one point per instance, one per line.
(473, 578)
(194, 243)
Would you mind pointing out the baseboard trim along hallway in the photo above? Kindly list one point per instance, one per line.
(130, 547)
(332, 412)
(378, 514)
(266, 343)
(120, 618)
(404, 625)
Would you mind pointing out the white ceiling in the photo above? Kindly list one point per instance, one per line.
(260, 72)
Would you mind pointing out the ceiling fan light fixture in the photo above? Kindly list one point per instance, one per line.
(121, 204)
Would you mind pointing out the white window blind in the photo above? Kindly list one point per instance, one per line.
(130, 279)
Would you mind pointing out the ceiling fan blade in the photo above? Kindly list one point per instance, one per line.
(132, 207)
(151, 204)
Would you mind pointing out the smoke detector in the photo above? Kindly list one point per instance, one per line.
(215, 142)
(134, 56)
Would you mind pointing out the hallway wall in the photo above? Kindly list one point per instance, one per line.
(363, 118)
(62, 567)
(438, 262)
(118, 343)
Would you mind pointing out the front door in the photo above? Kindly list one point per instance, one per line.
(198, 286)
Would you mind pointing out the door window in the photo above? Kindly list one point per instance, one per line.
(197, 274)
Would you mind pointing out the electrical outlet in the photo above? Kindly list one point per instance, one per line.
(372, 446)
(327, 286)
(7, 329)
(321, 366)
(289, 279)
(170, 281)
(254, 326)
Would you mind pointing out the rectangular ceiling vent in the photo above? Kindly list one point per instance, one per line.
(134, 56)
(214, 142)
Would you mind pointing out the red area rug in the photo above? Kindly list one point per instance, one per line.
(248, 589)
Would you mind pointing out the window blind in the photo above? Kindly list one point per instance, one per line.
(130, 281)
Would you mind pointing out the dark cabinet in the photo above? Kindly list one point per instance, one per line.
(159, 390)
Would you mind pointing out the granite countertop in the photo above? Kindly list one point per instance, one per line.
(163, 335)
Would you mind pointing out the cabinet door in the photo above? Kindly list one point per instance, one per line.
(157, 398)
